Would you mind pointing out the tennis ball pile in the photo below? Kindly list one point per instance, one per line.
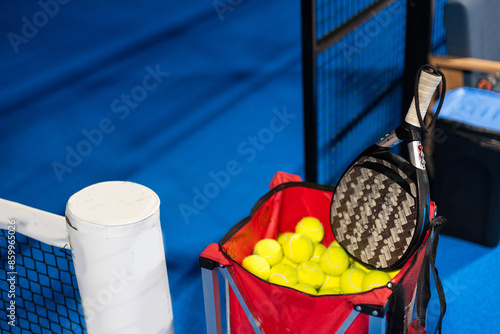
(300, 261)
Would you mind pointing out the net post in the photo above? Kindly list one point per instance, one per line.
(116, 242)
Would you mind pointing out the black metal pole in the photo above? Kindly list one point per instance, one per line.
(417, 49)
(418, 44)
(308, 9)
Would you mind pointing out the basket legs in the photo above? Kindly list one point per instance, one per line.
(243, 304)
(348, 322)
(211, 297)
(211, 294)
(377, 325)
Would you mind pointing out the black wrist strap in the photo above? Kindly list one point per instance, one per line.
(429, 272)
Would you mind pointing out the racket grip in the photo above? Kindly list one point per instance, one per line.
(426, 87)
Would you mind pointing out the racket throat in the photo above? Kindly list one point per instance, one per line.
(393, 138)
(416, 154)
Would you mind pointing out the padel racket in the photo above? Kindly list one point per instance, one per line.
(380, 209)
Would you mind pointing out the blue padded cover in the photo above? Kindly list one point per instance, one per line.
(472, 106)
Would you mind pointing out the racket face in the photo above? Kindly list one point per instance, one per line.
(374, 212)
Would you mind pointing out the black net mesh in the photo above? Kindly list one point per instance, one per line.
(438, 31)
(46, 292)
(332, 13)
(433, 312)
(359, 89)
(359, 79)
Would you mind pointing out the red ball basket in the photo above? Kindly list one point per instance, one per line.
(412, 302)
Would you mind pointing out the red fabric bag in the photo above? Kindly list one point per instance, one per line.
(279, 309)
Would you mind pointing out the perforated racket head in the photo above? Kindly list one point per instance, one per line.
(374, 211)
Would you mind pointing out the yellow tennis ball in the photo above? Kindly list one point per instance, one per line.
(312, 228)
(393, 273)
(257, 265)
(283, 237)
(358, 265)
(305, 288)
(330, 291)
(310, 273)
(334, 261)
(375, 279)
(331, 282)
(318, 250)
(351, 280)
(283, 274)
(289, 262)
(298, 248)
(270, 250)
(334, 243)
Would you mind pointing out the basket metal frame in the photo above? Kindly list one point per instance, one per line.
(211, 293)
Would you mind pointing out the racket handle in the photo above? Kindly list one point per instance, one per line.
(426, 87)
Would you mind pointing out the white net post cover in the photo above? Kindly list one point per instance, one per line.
(117, 246)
